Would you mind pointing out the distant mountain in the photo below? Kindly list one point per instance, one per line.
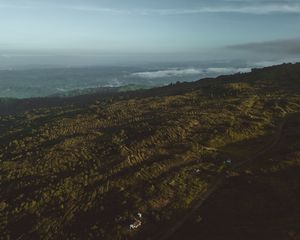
(217, 158)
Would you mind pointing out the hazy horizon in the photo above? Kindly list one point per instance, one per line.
(140, 42)
(114, 32)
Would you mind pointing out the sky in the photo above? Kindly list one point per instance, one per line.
(166, 28)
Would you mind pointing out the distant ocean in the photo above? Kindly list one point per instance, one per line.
(40, 81)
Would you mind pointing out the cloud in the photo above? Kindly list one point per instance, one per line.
(11, 6)
(97, 9)
(288, 46)
(228, 70)
(258, 9)
(230, 6)
(5, 56)
(190, 72)
(247, 9)
(168, 73)
(218, 6)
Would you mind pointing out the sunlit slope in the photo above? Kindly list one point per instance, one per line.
(83, 167)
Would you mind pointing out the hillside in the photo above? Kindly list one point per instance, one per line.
(259, 201)
(84, 167)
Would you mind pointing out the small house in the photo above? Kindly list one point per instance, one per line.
(135, 225)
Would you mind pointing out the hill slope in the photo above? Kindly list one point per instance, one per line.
(83, 167)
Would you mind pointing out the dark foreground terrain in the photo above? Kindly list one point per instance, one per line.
(214, 159)
(260, 201)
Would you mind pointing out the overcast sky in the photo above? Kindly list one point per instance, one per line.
(156, 26)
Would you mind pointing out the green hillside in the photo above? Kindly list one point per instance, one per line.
(84, 167)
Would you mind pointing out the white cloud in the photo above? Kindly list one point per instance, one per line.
(11, 6)
(97, 9)
(189, 72)
(228, 70)
(168, 73)
(246, 7)
(5, 55)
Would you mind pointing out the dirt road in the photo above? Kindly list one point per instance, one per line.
(219, 180)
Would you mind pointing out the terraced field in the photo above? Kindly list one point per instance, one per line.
(260, 202)
(83, 168)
